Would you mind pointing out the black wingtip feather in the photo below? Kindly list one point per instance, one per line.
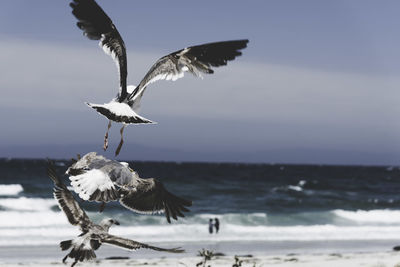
(174, 206)
(51, 172)
(92, 19)
(172, 210)
(215, 54)
(64, 245)
(167, 214)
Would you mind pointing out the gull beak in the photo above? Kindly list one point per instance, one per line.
(116, 222)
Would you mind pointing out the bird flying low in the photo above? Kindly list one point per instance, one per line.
(124, 108)
(92, 235)
(96, 178)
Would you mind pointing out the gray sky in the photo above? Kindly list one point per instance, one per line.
(318, 83)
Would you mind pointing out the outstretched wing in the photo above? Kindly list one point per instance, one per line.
(150, 196)
(195, 59)
(96, 25)
(66, 201)
(133, 245)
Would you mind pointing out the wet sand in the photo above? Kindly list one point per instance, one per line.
(381, 259)
(308, 254)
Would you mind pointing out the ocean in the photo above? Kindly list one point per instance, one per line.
(255, 204)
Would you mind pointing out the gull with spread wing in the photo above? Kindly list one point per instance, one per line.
(96, 178)
(93, 235)
(124, 108)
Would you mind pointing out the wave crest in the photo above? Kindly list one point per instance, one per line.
(10, 189)
(370, 216)
(27, 204)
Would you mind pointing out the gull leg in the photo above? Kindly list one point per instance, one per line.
(105, 146)
(65, 258)
(121, 142)
(102, 206)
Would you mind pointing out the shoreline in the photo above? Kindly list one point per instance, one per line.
(287, 253)
(370, 259)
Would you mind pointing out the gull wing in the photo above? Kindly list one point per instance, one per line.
(66, 201)
(150, 196)
(94, 185)
(96, 25)
(195, 59)
(91, 179)
(134, 245)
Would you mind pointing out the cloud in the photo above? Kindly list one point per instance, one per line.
(248, 105)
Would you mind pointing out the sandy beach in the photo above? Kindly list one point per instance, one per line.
(381, 259)
(335, 254)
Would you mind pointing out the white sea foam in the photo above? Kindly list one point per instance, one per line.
(60, 163)
(61, 231)
(228, 232)
(49, 227)
(226, 215)
(302, 183)
(199, 233)
(10, 189)
(231, 218)
(295, 188)
(31, 219)
(371, 216)
(27, 204)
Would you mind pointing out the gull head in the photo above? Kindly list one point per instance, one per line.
(81, 165)
(107, 222)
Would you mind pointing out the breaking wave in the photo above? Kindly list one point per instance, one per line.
(10, 189)
(33, 221)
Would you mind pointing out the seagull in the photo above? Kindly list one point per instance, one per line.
(95, 178)
(124, 108)
(93, 235)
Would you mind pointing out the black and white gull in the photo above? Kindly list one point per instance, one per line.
(124, 108)
(96, 178)
(92, 235)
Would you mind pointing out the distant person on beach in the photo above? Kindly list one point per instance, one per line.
(210, 226)
(216, 224)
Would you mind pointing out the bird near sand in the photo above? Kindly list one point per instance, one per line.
(96, 178)
(92, 235)
(124, 108)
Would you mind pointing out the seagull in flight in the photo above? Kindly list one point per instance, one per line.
(124, 108)
(96, 178)
(92, 235)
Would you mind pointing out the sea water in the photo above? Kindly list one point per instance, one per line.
(253, 202)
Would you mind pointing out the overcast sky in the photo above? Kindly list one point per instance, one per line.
(318, 83)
